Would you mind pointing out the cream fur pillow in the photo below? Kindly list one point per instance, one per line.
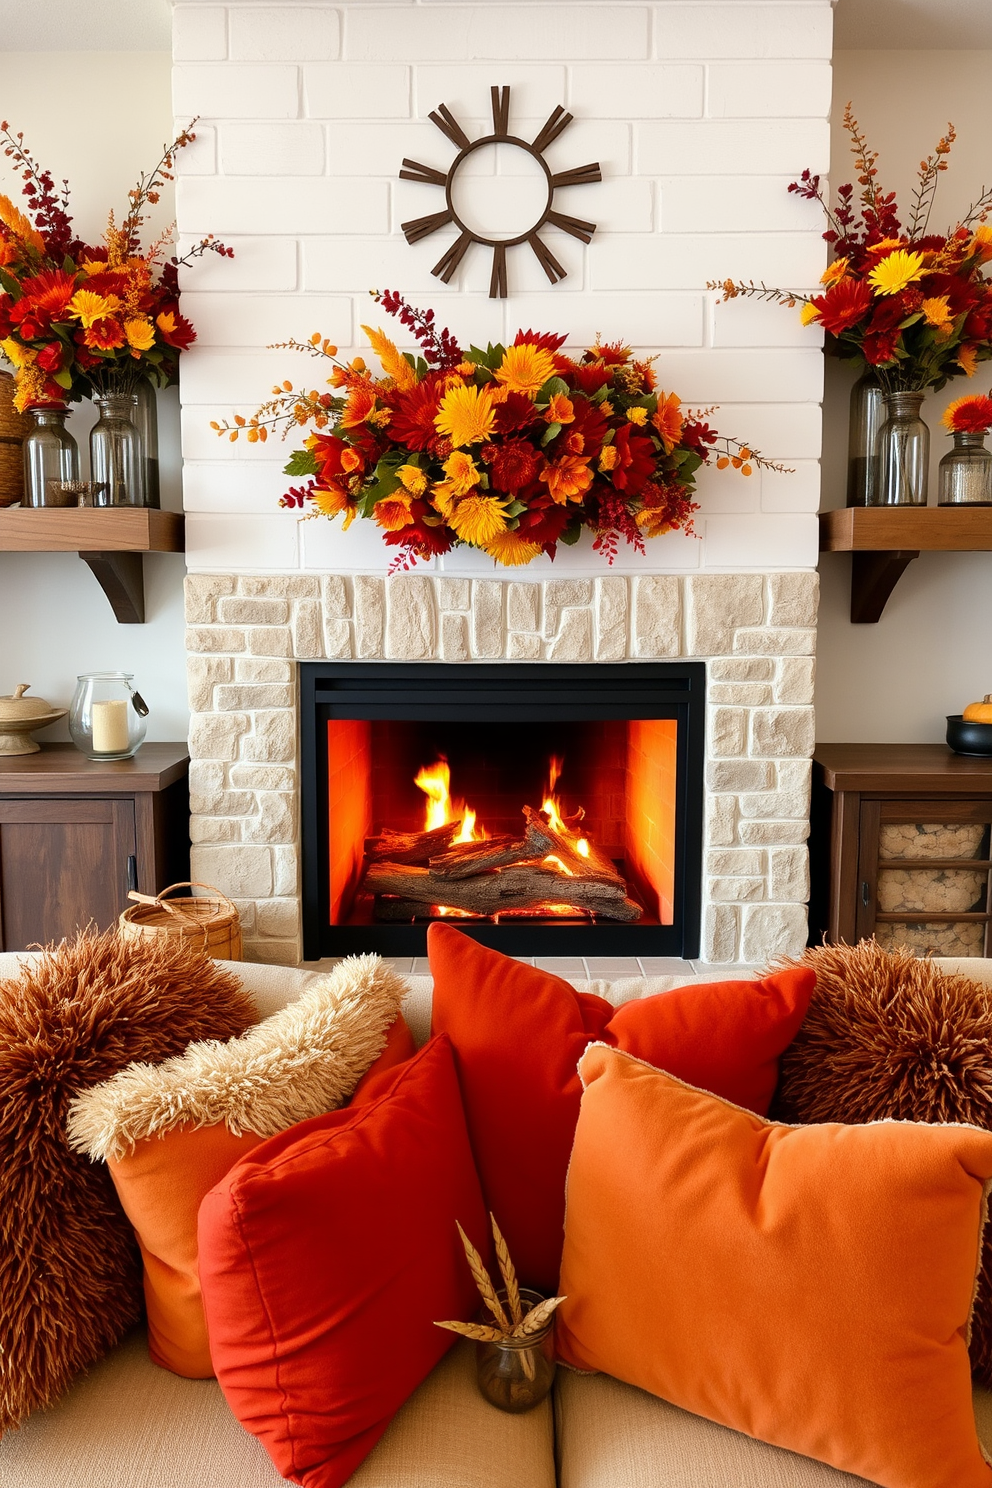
(303, 1061)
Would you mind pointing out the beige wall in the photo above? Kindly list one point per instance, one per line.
(931, 652)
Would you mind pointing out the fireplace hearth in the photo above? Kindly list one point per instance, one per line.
(543, 809)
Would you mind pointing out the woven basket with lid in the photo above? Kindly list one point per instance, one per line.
(210, 921)
(14, 429)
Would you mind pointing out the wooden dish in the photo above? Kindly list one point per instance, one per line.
(20, 716)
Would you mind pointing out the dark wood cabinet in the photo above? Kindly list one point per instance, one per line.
(75, 835)
(901, 847)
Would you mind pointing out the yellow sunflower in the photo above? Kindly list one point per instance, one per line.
(88, 307)
(466, 414)
(412, 479)
(478, 519)
(809, 313)
(895, 271)
(463, 474)
(525, 369)
(512, 550)
(937, 312)
(140, 333)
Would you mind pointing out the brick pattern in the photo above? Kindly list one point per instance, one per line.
(700, 113)
(756, 633)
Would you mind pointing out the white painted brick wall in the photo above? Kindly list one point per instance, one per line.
(699, 113)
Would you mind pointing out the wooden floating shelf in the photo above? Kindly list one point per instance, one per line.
(110, 540)
(884, 540)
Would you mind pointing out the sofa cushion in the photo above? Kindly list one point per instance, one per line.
(612, 1435)
(128, 1424)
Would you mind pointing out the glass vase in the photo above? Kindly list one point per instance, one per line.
(965, 476)
(116, 457)
(867, 412)
(51, 458)
(146, 423)
(107, 718)
(516, 1374)
(903, 453)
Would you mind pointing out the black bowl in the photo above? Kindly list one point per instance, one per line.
(968, 738)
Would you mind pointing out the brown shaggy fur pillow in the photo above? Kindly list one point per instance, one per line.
(888, 1035)
(70, 1274)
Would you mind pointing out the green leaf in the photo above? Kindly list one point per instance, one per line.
(551, 432)
(10, 284)
(551, 387)
(516, 508)
(571, 535)
(63, 378)
(301, 462)
(910, 320)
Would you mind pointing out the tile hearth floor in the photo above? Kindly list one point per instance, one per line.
(585, 968)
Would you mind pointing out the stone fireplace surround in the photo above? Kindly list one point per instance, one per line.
(755, 631)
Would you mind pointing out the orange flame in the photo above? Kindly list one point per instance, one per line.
(435, 782)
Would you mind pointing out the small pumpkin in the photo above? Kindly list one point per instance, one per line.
(979, 712)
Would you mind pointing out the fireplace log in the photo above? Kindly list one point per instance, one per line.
(547, 840)
(410, 847)
(465, 859)
(523, 887)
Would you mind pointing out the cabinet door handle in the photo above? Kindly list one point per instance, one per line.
(865, 893)
(132, 871)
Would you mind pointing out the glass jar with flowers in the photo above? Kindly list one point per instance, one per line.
(965, 474)
(909, 307)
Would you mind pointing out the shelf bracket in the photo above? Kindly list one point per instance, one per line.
(121, 577)
(873, 578)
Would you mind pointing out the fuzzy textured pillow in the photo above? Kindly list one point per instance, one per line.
(70, 1276)
(890, 1036)
(170, 1132)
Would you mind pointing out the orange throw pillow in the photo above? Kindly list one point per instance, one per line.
(810, 1286)
(518, 1034)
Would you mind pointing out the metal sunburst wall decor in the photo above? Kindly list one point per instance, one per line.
(427, 175)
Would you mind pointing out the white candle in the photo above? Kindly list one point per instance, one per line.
(110, 727)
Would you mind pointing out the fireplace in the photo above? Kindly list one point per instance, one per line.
(543, 809)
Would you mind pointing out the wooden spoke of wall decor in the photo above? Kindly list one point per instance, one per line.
(427, 175)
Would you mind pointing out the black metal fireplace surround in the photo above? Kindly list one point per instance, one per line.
(503, 720)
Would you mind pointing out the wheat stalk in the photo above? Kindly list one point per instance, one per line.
(537, 1317)
(483, 1281)
(508, 1273)
(478, 1331)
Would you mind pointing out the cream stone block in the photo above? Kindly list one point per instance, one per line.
(728, 732)
(743, 694)
(239, 610)
(792, 598)
(207, 775)
(285, 870)
(273, 952)
(277, 919)
(720, 932)
(772, 930)
(454, 594)
(736, 862)
(335, 596)
(236, 803)
(733, 669)
(276, 818)
(777, 733)
(244, 695)
(721, 819)
(272, 739)
(773, 833)
(307, 630)
(794, 680)
(215, 638)
(263, 778)
(241, 872)
(716, 604)
(264, 586)
(611, 618)
(735, 890)
(337, 640)
(574, 641)
(523, 606)
(202, 593)
(454, 637)
(788, 874)
(739, 775)
(657, 620)
(524, 647)
(214, 829)
(370, 615)
(487, 619)
(410, 618)
(767, 805)
(216, 735)
(559, 594)
(262, 669)
(246, 910)
(768, 642)
(269, 640)
(203, 674)
(795, 775)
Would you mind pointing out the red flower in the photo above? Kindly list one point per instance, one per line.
(174, 329)
(335, 458)
(613, 354)
(412, 423)
(44, 298)
(590, 377)
(883, 333)
(636, 462)
(513, 414)
(843, 304)
(50, 357)
(546, 340)
(5, 317)
(970, 415)
(514, 465)
(105, 335)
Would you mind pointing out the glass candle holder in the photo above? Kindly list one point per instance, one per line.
(51, 455)
(965, 475)
(107, 717)
(516, 1374)
(903, 453)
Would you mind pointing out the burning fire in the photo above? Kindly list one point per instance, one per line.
(551, 806)
(435, 782)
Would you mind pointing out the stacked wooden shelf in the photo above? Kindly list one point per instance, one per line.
(110, 540)
(884, 540)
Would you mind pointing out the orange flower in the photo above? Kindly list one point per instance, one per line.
(971, 414)
(88, 307)
(478, 519)
(359, 405)
(466, 415)
(140, 334)
(654, 520)
(567, 479)
(394, 364)
(332, 499)
(510, 549)
(609, 458)
(104, 335)
(413, 479)
(637, 416)
(463, 475)
(834, 271)
(351, 461)
(393, 512)
(560, 410)
(525, 369)
(667, 421)
(19, 225)
(968, 358)
(936, 312)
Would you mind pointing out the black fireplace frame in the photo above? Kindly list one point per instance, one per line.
(512, 692)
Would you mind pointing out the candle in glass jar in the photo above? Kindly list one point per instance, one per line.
(110, 734)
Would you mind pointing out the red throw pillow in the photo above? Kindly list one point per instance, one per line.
(326, 1255)
(518, 1034)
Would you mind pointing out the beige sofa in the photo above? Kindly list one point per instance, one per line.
(128, 1424)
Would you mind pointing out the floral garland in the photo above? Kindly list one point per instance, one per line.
(78, 320)
(912, 306)
(511, 450)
